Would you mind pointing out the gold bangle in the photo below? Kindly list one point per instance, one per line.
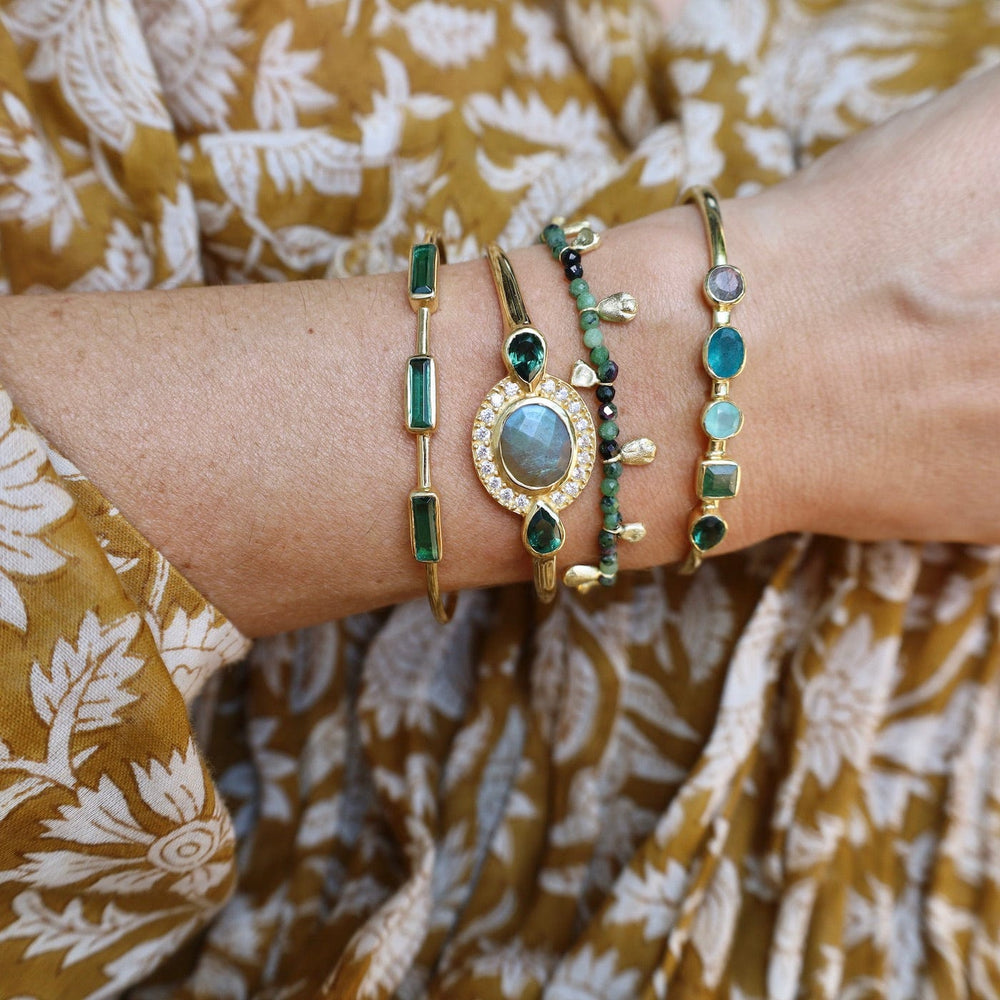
(724, 357)
(533, 439)
(421, 419)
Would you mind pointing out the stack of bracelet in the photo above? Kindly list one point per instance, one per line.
(568, 243)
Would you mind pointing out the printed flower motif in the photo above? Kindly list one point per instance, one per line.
(282, 90)
(30, 505)
(589, 976)
(844, 701)
(192, 856)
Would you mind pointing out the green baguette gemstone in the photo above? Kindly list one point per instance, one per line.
(426, 528)
(423, 271)
(420, 408)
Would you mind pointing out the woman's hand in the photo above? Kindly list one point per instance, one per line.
(877, 271)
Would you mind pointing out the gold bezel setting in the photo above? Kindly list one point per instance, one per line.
(501, 401)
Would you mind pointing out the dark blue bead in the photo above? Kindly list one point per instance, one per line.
(573, 271)
(605, 393)
(608, 449)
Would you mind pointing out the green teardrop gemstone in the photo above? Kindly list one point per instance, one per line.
(526, 353)
(707, 532)
(544, 532)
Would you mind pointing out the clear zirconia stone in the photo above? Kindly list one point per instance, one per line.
(488, 469)
(582, 425)
(481, 434)
(562, 394)
(506, 496)
(572, 488)
(482, 453)
(558, 498)
(574, 408)
(494, 485)
(521, 503)
(487, 416)
(548, 387)
(496, 399)
(535, 446)
(511, 388)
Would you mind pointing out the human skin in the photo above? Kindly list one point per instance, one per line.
(255, 436)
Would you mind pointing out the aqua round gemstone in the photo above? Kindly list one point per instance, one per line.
(544, 532)
(707, 532)
(722, 419)
(725, 352)
(593, 338)
(526, 352)
(585, 300)
(535, 446)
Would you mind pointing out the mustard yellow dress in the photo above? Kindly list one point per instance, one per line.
(778, 778)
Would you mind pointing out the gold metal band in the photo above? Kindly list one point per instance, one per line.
(421, 420)
(723, 355)
(536, 494)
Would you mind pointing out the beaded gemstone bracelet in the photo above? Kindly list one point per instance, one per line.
(723, 356)
(568, 243)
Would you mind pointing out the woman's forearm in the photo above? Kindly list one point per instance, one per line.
(255, 434)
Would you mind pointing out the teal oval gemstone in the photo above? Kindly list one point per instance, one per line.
(722, 420)
(544, 532)
(725, 352)
(526, 353)
(535, 446)
(707, 532)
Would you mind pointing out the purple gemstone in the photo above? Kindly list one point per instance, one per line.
(724, 284)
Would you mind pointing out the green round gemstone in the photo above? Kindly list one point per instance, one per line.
(608, 430)
(593, 337)
(612, 521)
(589, 318)
(606, 539)
(578, 286)
(609, 565)
(599, 356)
(614, 470)
(585, 300)
(610, 487)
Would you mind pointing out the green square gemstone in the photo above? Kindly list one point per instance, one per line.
(421, 408)
(719, 480)
(423, 271)
(425, 528)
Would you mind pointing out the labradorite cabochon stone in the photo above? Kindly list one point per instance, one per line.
(722, 420)
(725, 352)
(535, 446)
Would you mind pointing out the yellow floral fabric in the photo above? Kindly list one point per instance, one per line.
(780, 777)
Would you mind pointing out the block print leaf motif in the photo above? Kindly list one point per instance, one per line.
(84, 689)
(30, 506)
(50, 930)
(282, 90)
(442, 34)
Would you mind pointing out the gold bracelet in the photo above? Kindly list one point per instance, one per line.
(533, 439)
(421, 419)
(724, 356)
